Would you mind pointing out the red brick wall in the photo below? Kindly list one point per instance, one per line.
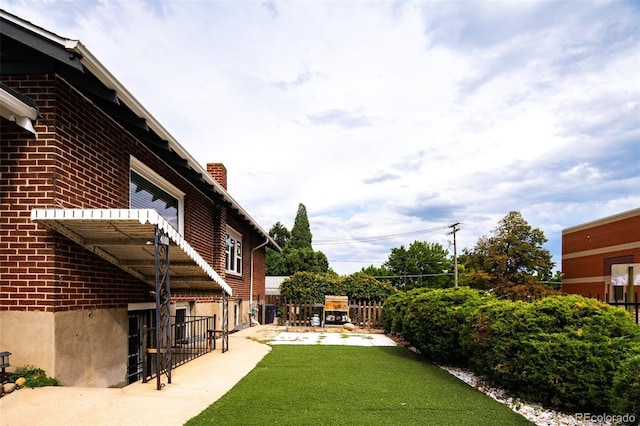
(589, 250)
(219, 172)
(242, 284)
(77, 160)
(80, 159)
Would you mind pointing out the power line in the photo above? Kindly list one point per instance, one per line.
(415, 275)
(374, 238)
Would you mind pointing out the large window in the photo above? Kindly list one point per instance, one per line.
(233, 253)
(149, 191)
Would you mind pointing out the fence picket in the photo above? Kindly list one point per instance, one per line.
(363, 313)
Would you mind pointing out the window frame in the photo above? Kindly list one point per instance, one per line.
(147, 173)
(233, 253)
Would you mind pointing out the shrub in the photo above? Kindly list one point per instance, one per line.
(626, 386)
(561, 351)
(311, 286)
(360, 286)
(394, 309)
(567, 352)
(35, 377)
(436, 320)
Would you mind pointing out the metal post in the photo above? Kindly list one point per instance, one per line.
(163, 305)
(225, 321)
(455, 227)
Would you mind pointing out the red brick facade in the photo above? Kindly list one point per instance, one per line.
(589, 250)
(64, 305)
(219, 173)
(80, 158)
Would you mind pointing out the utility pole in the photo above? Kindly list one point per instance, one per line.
(455, 227)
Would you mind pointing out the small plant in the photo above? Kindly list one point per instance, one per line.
(35, 377)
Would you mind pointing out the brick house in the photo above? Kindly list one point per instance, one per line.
(597, 256)
(91, 185)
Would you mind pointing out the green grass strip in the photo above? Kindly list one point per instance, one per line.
(346, 385)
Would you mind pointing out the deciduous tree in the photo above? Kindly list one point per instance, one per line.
(512, 256)
(423, 264)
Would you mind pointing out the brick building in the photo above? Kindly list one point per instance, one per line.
(593, 250)
(91, 185)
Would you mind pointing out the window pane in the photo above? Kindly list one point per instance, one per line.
(146, 195)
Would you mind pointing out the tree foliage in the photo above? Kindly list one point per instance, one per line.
(297, 254)
(360, 286)
(305, 259)
(423, 264)
(512, 256)
(301, 232)
(275, 262)
(376, 271)
(313, 286)
(280, 234)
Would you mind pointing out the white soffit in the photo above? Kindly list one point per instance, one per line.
(13, 109)
(125, 238)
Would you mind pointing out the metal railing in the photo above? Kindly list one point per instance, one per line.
(190, 339)
(631, 306)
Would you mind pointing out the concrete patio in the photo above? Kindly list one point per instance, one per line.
(194, 386)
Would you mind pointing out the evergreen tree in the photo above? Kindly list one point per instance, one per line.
(301, 232)
(280, 234)
(297, 253)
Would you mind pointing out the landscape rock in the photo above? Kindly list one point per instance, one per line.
(8, 387)
(348, 326)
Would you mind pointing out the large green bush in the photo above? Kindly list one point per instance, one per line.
(313, 286)
(361, 286)
(567, 352)
(562, 351)
(436, 319)
(626, 386)
(394, 309)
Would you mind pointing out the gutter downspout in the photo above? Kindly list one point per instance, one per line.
(253, 311)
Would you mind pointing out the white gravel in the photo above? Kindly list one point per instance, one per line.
(537, 414)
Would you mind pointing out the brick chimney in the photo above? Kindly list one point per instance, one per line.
(219, 172)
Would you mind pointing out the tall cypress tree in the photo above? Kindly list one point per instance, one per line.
(301, 232)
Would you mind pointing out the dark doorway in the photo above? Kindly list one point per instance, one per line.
(137, 320)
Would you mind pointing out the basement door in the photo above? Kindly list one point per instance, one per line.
(137, 320)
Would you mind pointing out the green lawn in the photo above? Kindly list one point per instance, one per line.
(345, 385)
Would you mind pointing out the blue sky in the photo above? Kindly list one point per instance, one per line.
(387, 119)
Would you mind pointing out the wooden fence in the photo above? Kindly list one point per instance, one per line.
(364, 314)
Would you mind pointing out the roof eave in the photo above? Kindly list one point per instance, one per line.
(93, 65)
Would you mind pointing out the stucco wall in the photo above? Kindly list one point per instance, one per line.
(91, 347)
(33, 344)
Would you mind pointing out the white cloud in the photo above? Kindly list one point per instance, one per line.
(385, 118)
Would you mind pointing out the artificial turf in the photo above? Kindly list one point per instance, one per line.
(347, 385)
